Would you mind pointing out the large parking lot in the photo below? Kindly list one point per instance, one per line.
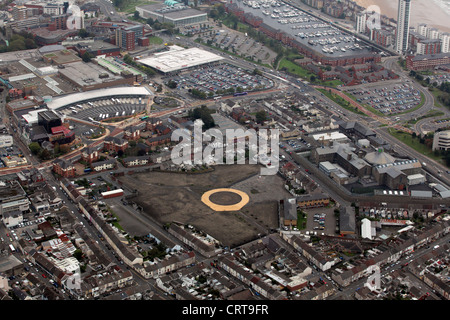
(218, 79)
(106, 108)
(238, 43)
(389, 99)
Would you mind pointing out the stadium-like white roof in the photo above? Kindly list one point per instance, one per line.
(180, 59)
(73, 98)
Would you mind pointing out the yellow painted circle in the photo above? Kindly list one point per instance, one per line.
(233, 207)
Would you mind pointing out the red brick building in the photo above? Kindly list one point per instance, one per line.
(427, 61)
(132, 133)
(89, 155)
(158, 140)
(64, 168)
(114, 144)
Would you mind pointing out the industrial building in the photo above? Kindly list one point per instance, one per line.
(179, 59)
(173, 12)
(90, 76)
(346, 164)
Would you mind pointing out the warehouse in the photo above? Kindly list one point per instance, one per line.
(176, 13)
(112, 193)
(90, 76)
(179, 59)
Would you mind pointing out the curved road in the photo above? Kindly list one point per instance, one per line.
(391, 63)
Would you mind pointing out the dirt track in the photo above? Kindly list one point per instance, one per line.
(171, 197)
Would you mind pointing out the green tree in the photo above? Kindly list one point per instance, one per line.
(17, 45)
(204, 114)
(172, 84)
(87, 56)
(83, 33)
(30, 44)
(35, 148)
(78, 254)
(261, 116)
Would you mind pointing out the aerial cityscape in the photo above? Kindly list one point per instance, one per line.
(204, 150)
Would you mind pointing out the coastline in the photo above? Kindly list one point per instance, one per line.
(430, 12)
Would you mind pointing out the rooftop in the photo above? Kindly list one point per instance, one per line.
(180, 59)
(173, 13)
(80, 97)
(87, 74)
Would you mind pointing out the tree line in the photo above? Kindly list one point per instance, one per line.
(19, 41)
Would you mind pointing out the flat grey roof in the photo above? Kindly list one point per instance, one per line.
(174, 15)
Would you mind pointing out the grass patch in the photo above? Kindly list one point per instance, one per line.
(295, 69)
(292, 67)
(436, 92)
(155, 40)
(129, 6)
(414, 143)
(115, 223)
(301, 220)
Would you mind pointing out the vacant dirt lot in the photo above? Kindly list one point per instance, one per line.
(171, 197)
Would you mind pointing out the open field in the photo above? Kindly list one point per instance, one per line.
(169, 196)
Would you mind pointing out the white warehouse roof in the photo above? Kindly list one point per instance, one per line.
(180, 59)
(330, 136)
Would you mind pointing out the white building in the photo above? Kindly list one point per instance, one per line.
(327, 167)
(54, 9)
(403, 19)
(422, 29)
(366, 229)
(433, 33)
(12, 218)
(416, 179)
(328, 137)
(361, 21)
(445, 42)
(69, 265)
(441, 140)
(6, 141)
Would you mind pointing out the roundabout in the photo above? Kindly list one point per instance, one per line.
(225, 199)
